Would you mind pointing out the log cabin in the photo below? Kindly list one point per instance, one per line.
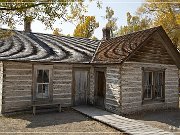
(126, 74)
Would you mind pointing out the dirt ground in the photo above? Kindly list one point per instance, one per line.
(163, 119)
(67, 122)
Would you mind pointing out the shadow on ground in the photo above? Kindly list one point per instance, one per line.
(169, 117)
(49, 118)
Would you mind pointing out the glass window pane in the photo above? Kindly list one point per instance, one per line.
(46, 76)
(159, 83)
(45, 89)
(40, 88)
(148, 81)
(39, 76)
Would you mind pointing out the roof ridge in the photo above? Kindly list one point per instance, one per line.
(50, 34)
(135, 32)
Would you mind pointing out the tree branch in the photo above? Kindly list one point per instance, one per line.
(23, 7)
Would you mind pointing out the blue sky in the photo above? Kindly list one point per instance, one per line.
(120, 7)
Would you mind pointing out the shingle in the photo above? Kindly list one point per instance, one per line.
(116, 50)
(23, 46)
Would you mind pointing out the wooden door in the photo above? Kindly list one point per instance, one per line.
(100, 89)
(81, 87)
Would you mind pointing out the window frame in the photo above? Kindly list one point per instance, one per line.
(50, 90)
(153, 70)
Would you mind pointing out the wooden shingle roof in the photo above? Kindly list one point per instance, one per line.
(119, 49)
(116, 50)
(23, 46)
(40, 47)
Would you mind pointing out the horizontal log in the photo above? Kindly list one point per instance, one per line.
(14, 83)
(18, 69)
(16, 78)
(17, 98)
(132, 99)
(62, 67)
(58, 78)
(131, 94)
(113, 95)
(67, 90)
(131, 78)
(138, 103)
(131, 84)
(61, 82)
(18, 72)
(62, 100)
(112, 101)
(16, 104)
(18, 87)
(112, 105)
(8, 64)
(62, 96)
(59, 73)
(172, 99)
(14, 93)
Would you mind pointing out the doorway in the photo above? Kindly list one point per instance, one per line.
(81, 86)
(100, 87)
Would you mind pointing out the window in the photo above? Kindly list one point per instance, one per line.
(153, 84)
(42, 84)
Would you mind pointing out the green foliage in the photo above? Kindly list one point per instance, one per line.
(134, 23)
(94, 38)
(46, 11)
(57, 32)
(111, 20)
(86, 27)
(166, 14)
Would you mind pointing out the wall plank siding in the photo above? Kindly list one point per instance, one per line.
(62, 84)
(112, 102)
(131, 85)
(1, 85)
(92, 85)
(153, 52)
(17, 86)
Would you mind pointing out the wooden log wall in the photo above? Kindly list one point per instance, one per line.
(131, 85)
(112, 101)
(91, 90)
(62, 84)
(17, 86)
(1, 84)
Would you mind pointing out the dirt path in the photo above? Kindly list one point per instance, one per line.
(68, 122)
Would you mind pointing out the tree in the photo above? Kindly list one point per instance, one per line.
(86, 27)
(57, 32)
(94, 38)
(46, 11)
(111, 20)
(165, 14)
(134, 23)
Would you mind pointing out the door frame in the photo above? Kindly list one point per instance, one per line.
(102, 69)
(73, 82)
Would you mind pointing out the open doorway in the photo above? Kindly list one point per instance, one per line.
(100, 87)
